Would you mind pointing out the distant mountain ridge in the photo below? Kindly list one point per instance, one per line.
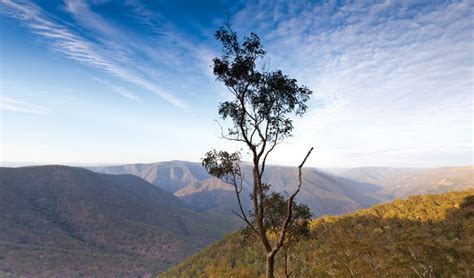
(383, 176)
(330, 191)
(68, 220)
(323, 192)
(171, 175)
(404, 182)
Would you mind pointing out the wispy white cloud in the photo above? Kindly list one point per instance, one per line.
(63, 40)
(10, 104)
(125, 93)
(175, 57)
(386, 75)
(117, 89)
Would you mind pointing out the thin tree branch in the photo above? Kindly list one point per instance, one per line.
(289, 211)
(348, 268)
(243, 216)
(246, 221)
(227, 137)
(264, 161)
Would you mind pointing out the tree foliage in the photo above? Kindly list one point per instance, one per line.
(275, 207)
(263, 101)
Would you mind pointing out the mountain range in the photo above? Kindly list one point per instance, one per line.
(141, 219)
(404, 182)
(72, 221)
(325, 191)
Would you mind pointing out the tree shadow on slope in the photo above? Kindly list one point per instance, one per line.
(423, 236)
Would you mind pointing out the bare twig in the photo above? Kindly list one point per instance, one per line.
(238, 190)
(284, 227)
(245, 220)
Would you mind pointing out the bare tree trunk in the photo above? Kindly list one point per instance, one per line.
(270, 265)
(286, 262)
(262, 233)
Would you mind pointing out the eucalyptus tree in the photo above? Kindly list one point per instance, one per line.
(260, 112)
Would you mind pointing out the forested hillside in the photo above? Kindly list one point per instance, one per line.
(75, 222)
(422, 236)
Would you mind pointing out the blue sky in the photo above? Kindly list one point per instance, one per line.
(130, 81)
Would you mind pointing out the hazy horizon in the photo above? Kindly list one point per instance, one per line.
(98, 164)
(106, 82)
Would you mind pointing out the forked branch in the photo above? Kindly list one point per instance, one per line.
(284, 228)
(238, 190)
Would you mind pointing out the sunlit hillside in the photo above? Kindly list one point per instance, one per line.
(422, 236)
